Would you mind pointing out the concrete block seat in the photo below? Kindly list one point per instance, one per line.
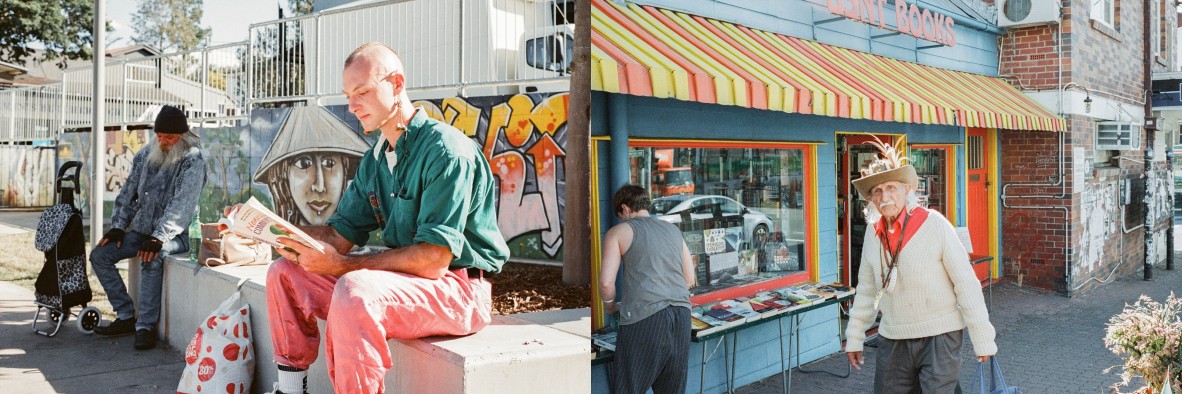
(543, 352)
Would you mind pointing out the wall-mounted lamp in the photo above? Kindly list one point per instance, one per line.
(1087, 99)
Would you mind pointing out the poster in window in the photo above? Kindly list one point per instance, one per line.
(723, 263)
(695, 241)
(715, 240)
(734, 239)
(922, 191)
(701, 269)
(748, 262)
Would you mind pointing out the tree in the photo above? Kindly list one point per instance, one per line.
(299, 7)
(169, 25)
(576, 261)
(63, 27)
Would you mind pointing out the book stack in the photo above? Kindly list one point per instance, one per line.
(604, 338)
(714, 317)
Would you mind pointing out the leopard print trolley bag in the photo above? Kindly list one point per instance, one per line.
(62, 283)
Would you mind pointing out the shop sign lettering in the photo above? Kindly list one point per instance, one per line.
(909, 18)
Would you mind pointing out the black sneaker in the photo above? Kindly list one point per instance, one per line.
(117, 327)
(145, 339)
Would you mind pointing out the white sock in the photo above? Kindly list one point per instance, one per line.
(293, 382)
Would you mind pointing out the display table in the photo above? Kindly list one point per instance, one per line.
(733, 332)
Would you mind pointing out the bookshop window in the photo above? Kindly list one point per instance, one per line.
(931, 165)
(742, 211)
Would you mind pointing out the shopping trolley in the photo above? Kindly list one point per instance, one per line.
(63, 282)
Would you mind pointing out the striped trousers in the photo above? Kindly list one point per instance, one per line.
(653, 352)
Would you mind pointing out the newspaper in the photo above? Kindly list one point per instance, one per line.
(255, 221)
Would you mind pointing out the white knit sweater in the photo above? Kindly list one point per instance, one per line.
(936, 292)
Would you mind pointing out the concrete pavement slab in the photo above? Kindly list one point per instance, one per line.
(1047, 343)
(72, 362)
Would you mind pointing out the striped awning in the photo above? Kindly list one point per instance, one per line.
(655, 52)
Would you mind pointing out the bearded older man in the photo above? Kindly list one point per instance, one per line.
(915, 268)
(150, 220)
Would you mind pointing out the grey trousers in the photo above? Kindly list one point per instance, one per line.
(653, 352)
(922, 365)
(103, 260)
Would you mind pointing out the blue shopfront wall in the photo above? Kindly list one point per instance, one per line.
(622, 117)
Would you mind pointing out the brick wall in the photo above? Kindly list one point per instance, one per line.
(1032, 239)
(1030, 55)
(1106, 61)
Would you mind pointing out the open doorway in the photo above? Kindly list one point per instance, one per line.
(853, 152)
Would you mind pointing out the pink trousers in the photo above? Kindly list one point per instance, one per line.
(364, 309)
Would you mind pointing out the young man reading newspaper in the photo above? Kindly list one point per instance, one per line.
(426, 187)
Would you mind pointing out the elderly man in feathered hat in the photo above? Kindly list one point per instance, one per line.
(915, 269)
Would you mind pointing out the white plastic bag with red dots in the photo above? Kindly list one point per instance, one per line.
(220, 358)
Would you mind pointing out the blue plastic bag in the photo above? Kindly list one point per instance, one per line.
(996, 385)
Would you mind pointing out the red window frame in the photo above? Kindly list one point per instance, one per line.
(809, 166)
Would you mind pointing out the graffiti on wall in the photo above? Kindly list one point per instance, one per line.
(298, 161)
(1158, 192)
(121, 149)
(1100, 215)
(26, 176)
(523, 137)
(76, 147)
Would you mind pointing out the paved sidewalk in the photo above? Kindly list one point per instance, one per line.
(1047, 343)
(72, 362)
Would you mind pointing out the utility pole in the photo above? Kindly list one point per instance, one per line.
(98, 138)
(576, 255)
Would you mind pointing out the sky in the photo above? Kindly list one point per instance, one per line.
(227, 19)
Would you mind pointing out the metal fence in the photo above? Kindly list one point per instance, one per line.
(448, 48)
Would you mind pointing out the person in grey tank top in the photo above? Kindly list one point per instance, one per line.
(656, 271)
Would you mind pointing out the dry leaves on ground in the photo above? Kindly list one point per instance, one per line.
(521, 288)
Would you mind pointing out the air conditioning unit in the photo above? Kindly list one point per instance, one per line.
(1118, 136)
(1015, 13)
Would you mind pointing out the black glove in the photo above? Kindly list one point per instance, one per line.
(115, 235)
(152, 245)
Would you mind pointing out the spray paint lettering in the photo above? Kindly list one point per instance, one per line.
(522, 136)
(121, 149)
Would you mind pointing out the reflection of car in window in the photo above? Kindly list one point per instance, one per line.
(700, 208)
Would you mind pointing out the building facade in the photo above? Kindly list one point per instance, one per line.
(747, 122)
(1085, 207)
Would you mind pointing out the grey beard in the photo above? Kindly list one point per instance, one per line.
(157, 157)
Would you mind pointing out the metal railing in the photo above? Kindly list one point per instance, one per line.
(448, 47)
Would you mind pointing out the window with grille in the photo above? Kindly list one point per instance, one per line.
(975, 152)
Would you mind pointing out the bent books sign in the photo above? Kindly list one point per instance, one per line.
(909, 18)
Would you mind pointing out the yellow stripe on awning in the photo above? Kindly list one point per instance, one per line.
(654, 52)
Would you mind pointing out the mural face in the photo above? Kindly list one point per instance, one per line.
(306, 166)
(317, 180)
(308, 186)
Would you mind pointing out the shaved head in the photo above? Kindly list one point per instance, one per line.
(381, 58)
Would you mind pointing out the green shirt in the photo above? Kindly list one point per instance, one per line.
(440, 192)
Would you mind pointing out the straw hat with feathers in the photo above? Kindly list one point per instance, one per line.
(892, 166)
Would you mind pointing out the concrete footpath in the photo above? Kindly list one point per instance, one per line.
(1046, 343)
(72, 362)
